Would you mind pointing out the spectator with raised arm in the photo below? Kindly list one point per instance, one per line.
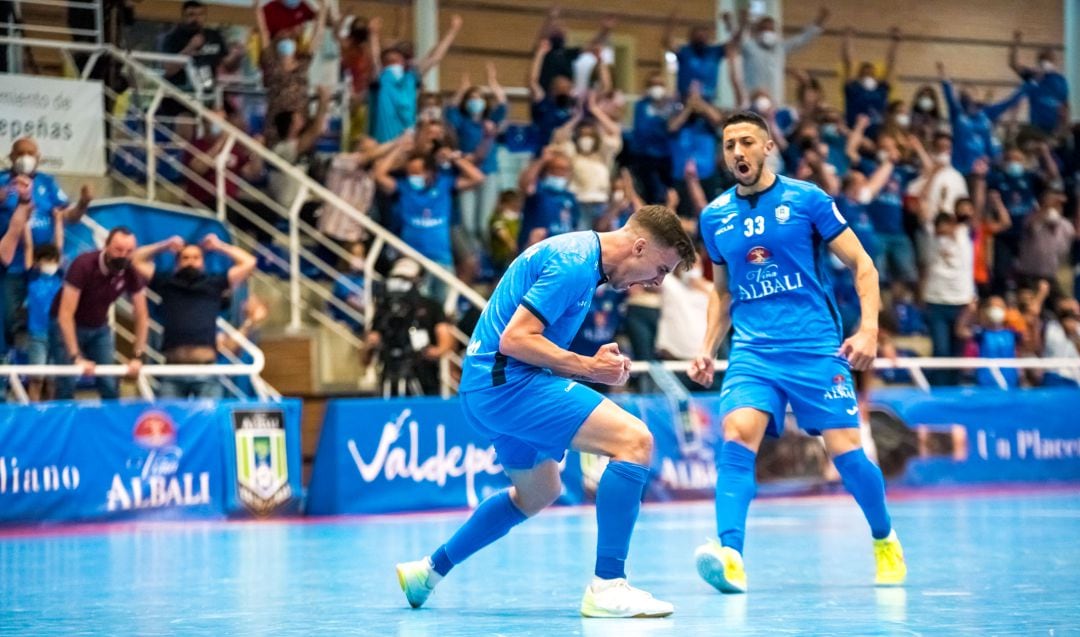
(699, 59)
(285, 16)
(358, 65)
(20, 202)
(948, 282)
(209, 53)
(927, 113)
(553, 106)
(351, 177)
(285, 68)
(191, 300)
(940, 185)
(1014, 184)
(574, 64)
(46, 281)
(51, 211)
(476, 121)
(988, 218)
(649, 147)
(1045, 239)
(1047, 89)
(550, 207)
(201, 184)
(296, 137)
(591, 147)
(81, 332)
(973, 122)
(693, 136)
(395, 91)
(867, 92)
(764, 53)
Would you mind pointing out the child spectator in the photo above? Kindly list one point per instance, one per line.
(45, 284)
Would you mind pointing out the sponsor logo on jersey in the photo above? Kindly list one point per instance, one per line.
(727, 228)
(783, 213)
(759, 255)
(726, 219)
(840, 389)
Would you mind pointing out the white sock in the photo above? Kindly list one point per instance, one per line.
(433, 576)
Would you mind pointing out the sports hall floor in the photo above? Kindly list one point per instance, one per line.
(980, 564)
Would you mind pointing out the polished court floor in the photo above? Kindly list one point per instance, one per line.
(980, 564)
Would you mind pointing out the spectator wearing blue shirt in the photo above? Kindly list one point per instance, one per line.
(45, 284)
(351, 291)
(425, 197)
(550, 207)
(867, 93)
(699, 59)
(21, 187)
(476, 121)
(973, 123)
(693, 138)
(649, 146)
(601, 323)
(1047, 89)
(896, 259)
(551, 107)
(394, 92)
(51, 211)
(994, 338)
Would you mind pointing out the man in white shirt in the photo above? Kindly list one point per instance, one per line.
(765, 52)
(948, 285)
(940, 185)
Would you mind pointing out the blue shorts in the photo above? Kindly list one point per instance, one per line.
(818, 386)
(532, 419)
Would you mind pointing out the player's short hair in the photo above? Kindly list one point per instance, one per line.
(664, 225)
(747, 117)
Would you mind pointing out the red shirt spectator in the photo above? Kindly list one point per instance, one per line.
(100, 286)
(282, 15)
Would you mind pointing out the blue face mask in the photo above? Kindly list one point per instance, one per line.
(418, 182)
(556, 183)
(475, 106)
(292, 4)
(1014, 169)
(286, 47)
(830, 130)
(396, 71)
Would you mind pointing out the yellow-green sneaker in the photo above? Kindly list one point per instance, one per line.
(721, 566)
(417, 580)
(889, 556)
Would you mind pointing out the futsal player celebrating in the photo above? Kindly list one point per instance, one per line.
(520, 388)
(766, 236)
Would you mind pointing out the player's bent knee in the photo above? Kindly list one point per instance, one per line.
(746, 427)
(638, 445)
(536, 499)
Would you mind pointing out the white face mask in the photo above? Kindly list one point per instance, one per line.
(49, 269)
(996, 315)
(868, 83)
(1047, 66)
(903, 120)
(926, 103)
(511, 214)
(656, 93)
(943, 158)
(397, 285)
(1053, 214)
(587, 144)
(396, 71)
(769, 38)
(25, 164)
(864, 196)
(762, 104)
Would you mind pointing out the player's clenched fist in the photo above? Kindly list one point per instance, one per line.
(701, 370)
(609, 366)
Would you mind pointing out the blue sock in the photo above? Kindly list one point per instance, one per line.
(618, 500)
(863, 480)
(735, 488)
(490, 521)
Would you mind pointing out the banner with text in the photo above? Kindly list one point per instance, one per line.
(65, 117)
(68, 461)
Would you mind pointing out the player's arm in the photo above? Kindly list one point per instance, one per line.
(524, 340)
(718, 322)
(861, 348)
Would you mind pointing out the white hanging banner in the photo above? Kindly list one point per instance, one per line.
(65, 117)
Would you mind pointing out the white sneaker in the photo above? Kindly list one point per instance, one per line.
(617, 598)
(417, 580)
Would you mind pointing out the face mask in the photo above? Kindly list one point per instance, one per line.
(587, 144)
(188, 273)
(431, 114)
(943, 158)
(286, 48)
(618, 196)
(49, 269)
(292, 4)
(1014, 169)
(418, 182)
(762, 104)
(1047, 66)
(25, 164)
(864, 196)
(356, 264)
(396, 71)
(903, 120)
(830, 130)
(511, 214)
(1053, 214)
(475, 106)
(925, 104)
(882, 156)
(555, 183)
(769, 38)
(656, 93)
(868, 83)
(397, 285)
(996, 315)
(117, 264)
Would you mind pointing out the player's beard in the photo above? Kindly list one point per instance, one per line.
(752, 176)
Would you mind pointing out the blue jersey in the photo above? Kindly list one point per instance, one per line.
(555, 280)
(40, 294)
(551, 209)
(47, 196)
(1046, 95)
(700, 65)
(424, 216)
(771, 244)
(649, 137)
(601, 323)
(887, 209)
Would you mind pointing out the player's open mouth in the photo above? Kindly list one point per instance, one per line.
(742, 168)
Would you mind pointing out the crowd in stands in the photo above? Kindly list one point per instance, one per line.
(967, 204)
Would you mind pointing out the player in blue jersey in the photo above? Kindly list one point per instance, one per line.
(519, 387)
(767, 237)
